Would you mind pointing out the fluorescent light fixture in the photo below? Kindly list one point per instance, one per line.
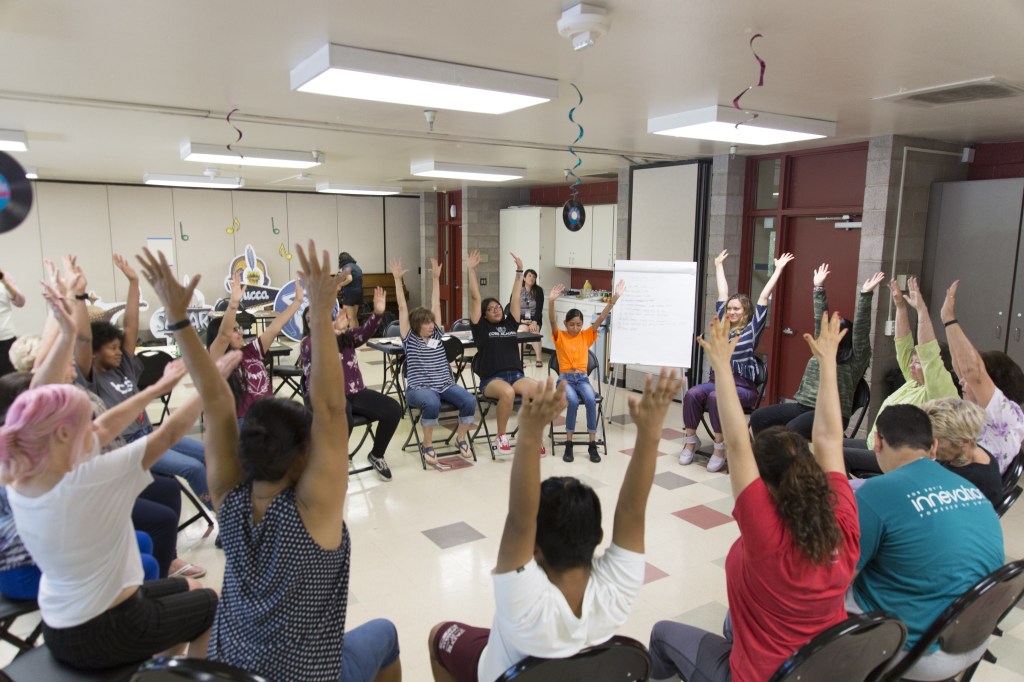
(202, 181)
(462, 171)
(366, 190)
(385, 77)
(249, 156)
(720, 124)
(13, 141)
(30, 173)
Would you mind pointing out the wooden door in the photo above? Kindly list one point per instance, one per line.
(791, 316)
(449, 253)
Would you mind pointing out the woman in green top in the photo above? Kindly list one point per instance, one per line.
(922, 367)
(853, 358)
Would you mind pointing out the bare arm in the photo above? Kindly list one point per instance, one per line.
(723, 283)
(902, 316)
(619, 288)
(398, 272)
(223, 471)
(472, 263)
(828, 416)
(221, 344)
(742, 467)
(131, 309)
(648, 413)
(83, 327)
(17, 298)
(520, 533)
(925, 332)
(54, 367)
(435, 293)
(967, 362)
(556, 291)
(780, 264)
(174, 428)
(115, 420)
(514, 304)
(269, 334)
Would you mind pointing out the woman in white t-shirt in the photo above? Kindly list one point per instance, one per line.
(72, 507)
(10, 295)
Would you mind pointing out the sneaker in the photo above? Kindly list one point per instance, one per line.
(686, 456)
(592, 451)
(717, 461)
(543, 450)
(380, 466)
(567, 457)
(504, 446)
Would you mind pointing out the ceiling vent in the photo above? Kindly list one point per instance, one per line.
(602, 175)
(963, 92)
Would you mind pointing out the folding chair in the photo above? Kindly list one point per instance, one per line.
(593, 367)
(854, 650)
(458, 326)
(1011, 491)
(10, 611)
(861, 400)
(179, 668)
(38, 664)
(201, 511)
(760, 383)
(617, 660)
(358, 421)
(454, 351)
(291, 376)
(486, 403)
(153, 364)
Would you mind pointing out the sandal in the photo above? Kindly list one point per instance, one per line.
(686, 456)
(430, 457)
(465, 451)
(538, 364)
(187, 570)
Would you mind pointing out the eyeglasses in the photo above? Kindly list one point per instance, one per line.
(493, 307)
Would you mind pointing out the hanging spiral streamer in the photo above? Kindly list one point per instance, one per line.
(760, 83)
(579, 162)
(237, 130)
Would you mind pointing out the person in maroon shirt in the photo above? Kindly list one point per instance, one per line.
(799, 540)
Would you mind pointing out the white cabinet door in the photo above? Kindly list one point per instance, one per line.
(603, 248)
(518, 232)
(572, 249)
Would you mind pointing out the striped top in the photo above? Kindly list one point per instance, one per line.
(426, 364)
(743, 362)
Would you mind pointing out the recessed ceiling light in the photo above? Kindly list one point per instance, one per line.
(249, 156)
(463, 171)
(728, 124)
(385, 77)
(201, 181)
(13, 141)
(331, 188)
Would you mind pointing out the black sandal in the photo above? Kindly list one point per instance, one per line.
(430, 457)
(464, 450)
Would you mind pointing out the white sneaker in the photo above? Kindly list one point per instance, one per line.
(717, 461)
(686, 456)
(504, 446)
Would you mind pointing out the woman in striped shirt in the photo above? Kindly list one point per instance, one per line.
(747, 323)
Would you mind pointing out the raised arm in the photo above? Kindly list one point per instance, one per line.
(967, 362)
(435, 292)
(780, 264)
(472, 263)
(828, 416)
(515, 303)
(925, 332)
(321, 488)
(723, 283)
(719, 349)
(397, 271)
(131, 309)
(221, 344)
(556, 291)
(620, 286)
(269, 334)
(520, 534)
(17, 298)
(862, 316)
(820, 298)
(648, 414)
(54, 367)
(83, 327)
(223, 471)
(116, 419)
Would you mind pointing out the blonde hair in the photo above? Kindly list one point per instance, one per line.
(955, 421)
(23, 352)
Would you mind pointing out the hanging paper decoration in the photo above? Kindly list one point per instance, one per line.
(181, 231)
(283, 252)
(573, 213)
(760, 83)
(237, 130)
(273, 226)
(236, 226)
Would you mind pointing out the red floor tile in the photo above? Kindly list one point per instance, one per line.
(703, 517)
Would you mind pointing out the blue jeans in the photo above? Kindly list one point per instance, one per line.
(368, 649)
(429, 401)
(577, 388)
(187, 459)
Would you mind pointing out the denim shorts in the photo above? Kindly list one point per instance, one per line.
(510, 376)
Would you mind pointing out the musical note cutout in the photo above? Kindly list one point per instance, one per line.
(236, 226)
(181, 231)
(281, 251)
(273, 226)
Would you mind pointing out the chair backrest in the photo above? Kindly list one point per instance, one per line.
(453, 349)
(861, 400)
(760, 380)
(179, 668)
(1011, 477)
(1007, 499)
(619, 659)
(153, 364)
(394, 329)
(462, 325)
(967, 623)
(858, 647)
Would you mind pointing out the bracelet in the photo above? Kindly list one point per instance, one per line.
(518, 270)
(82, 297)
(953, 321)
(177, 326)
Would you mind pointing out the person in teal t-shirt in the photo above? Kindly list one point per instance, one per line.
(926, 536)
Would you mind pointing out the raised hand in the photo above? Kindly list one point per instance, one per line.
(237, 288)
(948, 311)
(125, 267)
(435, 268)
(171, 293)
(720, 258)
(914, 297)
(173, 373)
(473, 260)
(73, 276)
(717, 345)
(321, 284)
(61, 307)
(783, 260)
(60, 284)
(620, 287)
(897, 294)
(821, 274)
(648, 411)
(380, 299)
(545, 402)
(825, 346)
(300, 293)
(518, 260)
(872, 282)
(397, 269)
(227, 363)
(556, 291)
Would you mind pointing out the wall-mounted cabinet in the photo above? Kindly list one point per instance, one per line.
(593, 246)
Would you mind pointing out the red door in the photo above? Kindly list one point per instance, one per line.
(449, 253)
(813, 242)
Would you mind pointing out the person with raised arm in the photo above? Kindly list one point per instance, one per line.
(746, 322)
(429, 380)
(252, 380)
(10, 295)
(787, 574)
(573, 351)
(497, 362)
(990, 380)
(279, 489)
(553, 597)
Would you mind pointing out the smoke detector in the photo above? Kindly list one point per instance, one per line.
(583, 24)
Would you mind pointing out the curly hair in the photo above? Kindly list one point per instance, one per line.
(803, 498)
(1005, 374)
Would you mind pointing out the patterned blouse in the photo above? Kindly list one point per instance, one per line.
(348, 342)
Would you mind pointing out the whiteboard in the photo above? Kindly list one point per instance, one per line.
(652, 324)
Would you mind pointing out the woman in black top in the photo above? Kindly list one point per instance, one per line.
(956, 426)
(531, 309)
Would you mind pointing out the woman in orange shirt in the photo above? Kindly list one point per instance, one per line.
(573, 346)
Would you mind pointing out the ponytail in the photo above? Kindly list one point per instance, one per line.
(31, 420)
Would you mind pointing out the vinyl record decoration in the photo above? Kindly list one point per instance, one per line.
(574, 215)
(15, 193)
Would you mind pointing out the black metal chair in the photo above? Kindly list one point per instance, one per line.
(861, 401)
(358, 421)
(1011, 489)
(967, 623)
(486, 403)
(291, 376)
(153, 364)
(593, 367)
(462, 325)
(618, 660)
(760, 383)
(39, 665)
(10, 611)
(853, 651)
(179, 669)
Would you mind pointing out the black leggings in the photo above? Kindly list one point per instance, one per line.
(156, 511)
(793, 416)
(375, 406)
